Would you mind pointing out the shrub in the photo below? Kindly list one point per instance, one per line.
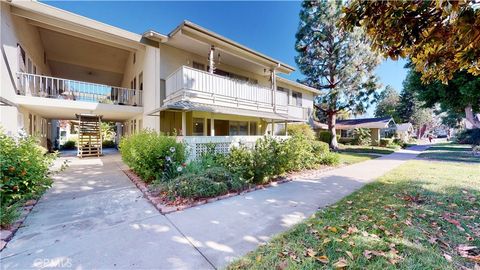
(8, 214)
(346, 141)
(240, 162)
(361, 136)
(194, 187)
(24, 172)
(153, 156)
(469, 136)
(69, 145)
(108, 144)
(384, 142)
(330, 158)
(301, 129)
(325, 136)
(269, 159)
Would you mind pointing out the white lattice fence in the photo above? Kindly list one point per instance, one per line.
(197, 145)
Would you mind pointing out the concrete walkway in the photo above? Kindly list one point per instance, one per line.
(94, 217)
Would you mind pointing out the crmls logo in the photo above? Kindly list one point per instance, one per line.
(61, 262)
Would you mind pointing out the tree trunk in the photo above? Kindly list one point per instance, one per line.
(332, 120)
(471, 117)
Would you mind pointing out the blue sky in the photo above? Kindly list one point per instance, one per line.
(268, 27)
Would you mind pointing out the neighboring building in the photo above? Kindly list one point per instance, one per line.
(404, 131)
(379, 127)
(193, 82)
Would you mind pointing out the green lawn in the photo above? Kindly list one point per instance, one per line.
(351, 158)
(366, 149)
(418, 216)
(450, 152)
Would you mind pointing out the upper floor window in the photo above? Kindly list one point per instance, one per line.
(297, 98)
(134, 58)
(140, 81)
(198, 66)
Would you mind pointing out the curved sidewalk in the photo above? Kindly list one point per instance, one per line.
(94, 217)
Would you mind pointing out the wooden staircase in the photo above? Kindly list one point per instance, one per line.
(89, 135)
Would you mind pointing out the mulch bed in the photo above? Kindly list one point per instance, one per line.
(6, 234)
(165, 206)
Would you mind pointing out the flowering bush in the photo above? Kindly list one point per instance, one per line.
(24, 172)
(153, 156)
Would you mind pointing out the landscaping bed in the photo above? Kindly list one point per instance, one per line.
(25, 175)
(422, 215)
(159, 169)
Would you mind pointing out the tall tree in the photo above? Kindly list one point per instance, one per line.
(440, 37)
(387, 103)
(337, 62)
(410, 108)
(460, 95)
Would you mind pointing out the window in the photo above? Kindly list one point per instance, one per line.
(140, 81)
(133, 83)
(297, 98)
(253, 128)
(198, 66)
(29, 66)
(34, 69)
(346, 133)
(134, 57)
(238, 128)
(198, 126)
(21, 58)
(45, 58)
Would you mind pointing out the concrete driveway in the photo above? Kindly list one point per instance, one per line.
(94, 217)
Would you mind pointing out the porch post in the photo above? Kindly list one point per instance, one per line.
(212, 126)
(273, 79)
(211, 63)
(273, 128)
(286, 129)
(184, 123)
(205, 126)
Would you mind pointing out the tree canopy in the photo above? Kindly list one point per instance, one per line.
(338, 62)
(440, 37)
(387, 103)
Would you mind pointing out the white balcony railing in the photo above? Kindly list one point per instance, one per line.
(203, 87)
(190, 79)
(58, 88)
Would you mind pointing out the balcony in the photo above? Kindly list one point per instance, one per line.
(202, 87)
(58, 88)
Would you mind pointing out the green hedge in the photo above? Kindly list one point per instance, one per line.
(152, 156)
(271, 157)
(69, 145)
(325, 136)
(301, 129)
(24, 173)
(469, 136)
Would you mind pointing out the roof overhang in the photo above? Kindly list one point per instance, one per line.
(49, 17)
(191, 106)
(199, 34)
(299, 85)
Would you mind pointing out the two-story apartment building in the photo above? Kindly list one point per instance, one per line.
(192, 81)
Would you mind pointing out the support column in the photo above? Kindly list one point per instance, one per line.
(286, 129)
(205, 126)
(273, 80)
(211, 62)
(184, 123)
(212, 126)
(273, 128)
